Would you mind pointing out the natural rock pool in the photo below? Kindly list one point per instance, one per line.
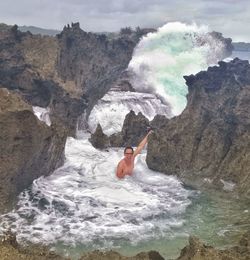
(82, 206)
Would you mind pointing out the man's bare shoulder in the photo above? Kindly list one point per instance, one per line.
(121, 163)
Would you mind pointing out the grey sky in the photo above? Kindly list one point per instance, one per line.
(231, 17)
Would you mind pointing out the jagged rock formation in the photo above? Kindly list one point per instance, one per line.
(134, 128)
(93, 62)
(27, 66)
(112, 255)
(28, 147)
(211, 138)
(196, 250)
(123, 83)
(68, 74)
(99, 140)
(11, 250)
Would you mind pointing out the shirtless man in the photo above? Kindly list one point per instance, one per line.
(126, 165)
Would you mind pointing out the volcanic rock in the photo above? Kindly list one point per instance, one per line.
(11, 250)
(99, 139)
(134, 128)
(66, 74)
(28, 147)
(196, 250)
(93, 62)
(211, 138)
(112, 255)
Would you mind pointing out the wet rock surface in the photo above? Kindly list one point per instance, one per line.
(10, 250)
(112, 255)
(196, 250)
(134, 129)
(99, 140)
(211, 138)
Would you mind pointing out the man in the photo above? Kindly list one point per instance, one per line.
(126, 165)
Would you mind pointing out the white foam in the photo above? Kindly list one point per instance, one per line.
(228, 185)
(110, 111)
(161, 59)
(42, 114)
(84, 202)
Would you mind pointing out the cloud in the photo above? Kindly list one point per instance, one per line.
(227, 16)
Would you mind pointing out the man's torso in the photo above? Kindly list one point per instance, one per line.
(127, 167)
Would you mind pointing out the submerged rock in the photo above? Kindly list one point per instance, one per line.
(211, 138)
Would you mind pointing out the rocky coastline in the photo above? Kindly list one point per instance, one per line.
(195, 250)
(65, 74)
(68, 74)
(208, 144)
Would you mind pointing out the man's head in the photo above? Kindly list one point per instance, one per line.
(128, 151)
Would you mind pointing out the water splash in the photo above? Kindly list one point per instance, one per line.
(161, 59)
(111, 110)
(84, 203)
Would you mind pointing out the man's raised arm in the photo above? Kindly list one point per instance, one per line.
(142, 144)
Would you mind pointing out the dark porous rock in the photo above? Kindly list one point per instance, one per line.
(134, 129)
(116, 140)
(112, 255)
(99, 139)
(123, 83)
(93, 62)
(28, 147)
(11, 250)
(28, 66)
(66, 74)
(196, 250)
(158, 122)
(211, 138)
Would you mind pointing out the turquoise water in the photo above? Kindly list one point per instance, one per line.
(161, 59)
(82, 207)
(216, 220)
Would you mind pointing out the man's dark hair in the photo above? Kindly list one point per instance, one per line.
(128, 147)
